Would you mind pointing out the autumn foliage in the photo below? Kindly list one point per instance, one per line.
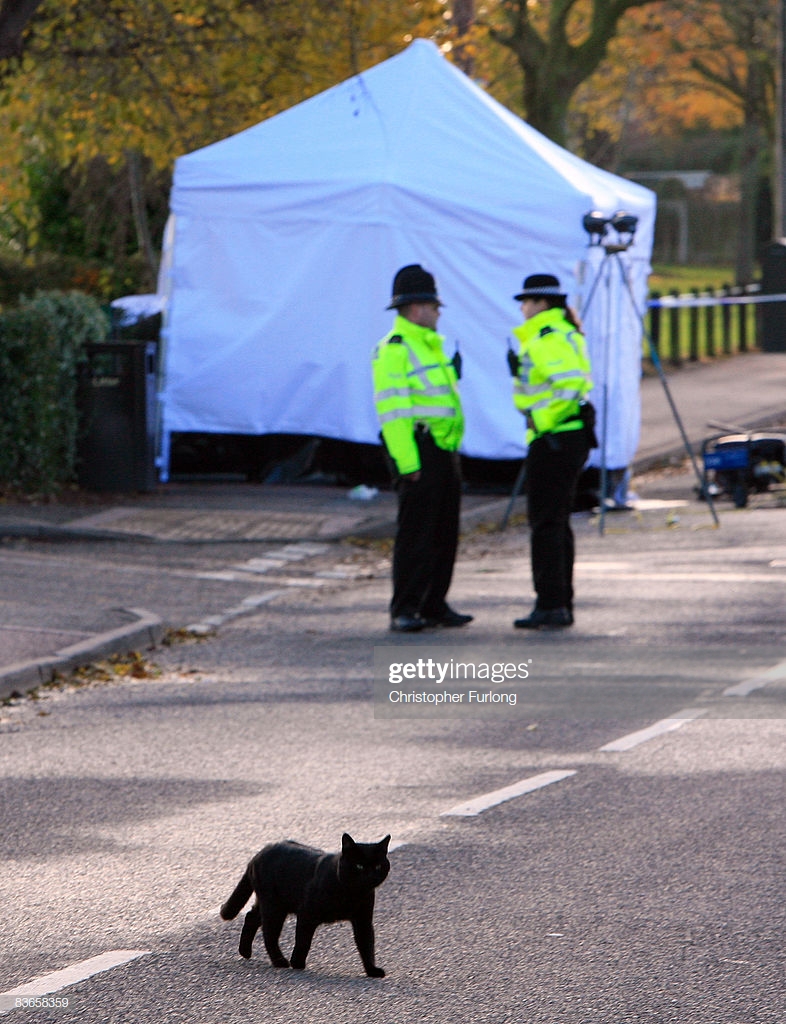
(112, 91)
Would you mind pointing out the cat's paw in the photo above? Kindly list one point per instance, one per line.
(280, 961)
(245, 950)
(375, 972)
(298, 963)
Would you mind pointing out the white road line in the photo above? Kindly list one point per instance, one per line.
(665, 725)
(757, 682)
(701, 577)
(49, 983)
(249, 604)
(499, 796)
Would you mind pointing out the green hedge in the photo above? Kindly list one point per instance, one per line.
(42, 342)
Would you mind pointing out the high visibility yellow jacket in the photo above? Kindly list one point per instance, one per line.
(554, 373)
(414, 382)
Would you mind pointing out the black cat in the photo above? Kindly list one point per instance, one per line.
(319, 888)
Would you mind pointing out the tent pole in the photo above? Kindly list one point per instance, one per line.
(604, 468)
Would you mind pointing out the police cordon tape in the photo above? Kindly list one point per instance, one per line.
(695, 301)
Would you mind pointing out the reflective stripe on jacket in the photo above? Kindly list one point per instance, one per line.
(415, 383)
(554, 373)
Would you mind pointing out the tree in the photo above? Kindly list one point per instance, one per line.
(134, 83)
(710, 62)
(647, 88)
(683, 65)
(14, 18)
(558, 44)
(105, 76)
(740, 60)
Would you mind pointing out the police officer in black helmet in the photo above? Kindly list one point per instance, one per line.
(419, 409)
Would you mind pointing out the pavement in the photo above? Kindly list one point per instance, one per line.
(747, 391)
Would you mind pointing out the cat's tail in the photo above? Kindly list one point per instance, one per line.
(239, 897)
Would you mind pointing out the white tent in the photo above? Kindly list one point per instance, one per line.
(284, 239)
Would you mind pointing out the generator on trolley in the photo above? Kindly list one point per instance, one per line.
(742, 463)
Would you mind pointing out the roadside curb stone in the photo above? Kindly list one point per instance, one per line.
(147, 630)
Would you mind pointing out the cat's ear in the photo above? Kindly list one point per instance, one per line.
(383, 844)
(347, 842)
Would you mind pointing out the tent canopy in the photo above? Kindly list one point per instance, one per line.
(284, 240)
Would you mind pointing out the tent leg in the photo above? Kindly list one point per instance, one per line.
(163, 458)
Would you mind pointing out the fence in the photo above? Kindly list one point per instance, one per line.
(705, 324)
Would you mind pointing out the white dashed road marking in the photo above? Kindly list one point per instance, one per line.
(665, 725)
(757, 682)
(499, 796)
(58, 980)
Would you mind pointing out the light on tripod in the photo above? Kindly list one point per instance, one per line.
(596, 226)
(625, 225)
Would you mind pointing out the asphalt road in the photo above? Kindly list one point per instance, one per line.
(643, 881)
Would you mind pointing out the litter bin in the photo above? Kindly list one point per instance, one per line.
(773, 282)
(116, 399)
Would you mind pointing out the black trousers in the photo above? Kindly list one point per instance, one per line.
(427, 533)
(554, 462)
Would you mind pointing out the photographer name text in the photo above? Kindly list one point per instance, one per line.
(470, 697)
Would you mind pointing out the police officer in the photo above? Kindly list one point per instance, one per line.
(419, 410)
(551, 379)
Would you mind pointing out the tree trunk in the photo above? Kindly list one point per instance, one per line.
(546, 102)
(136, 184)
(463, 20)
(753, 146)
(14, 18)
(552, 65)
(757, 144)
(779, 156)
